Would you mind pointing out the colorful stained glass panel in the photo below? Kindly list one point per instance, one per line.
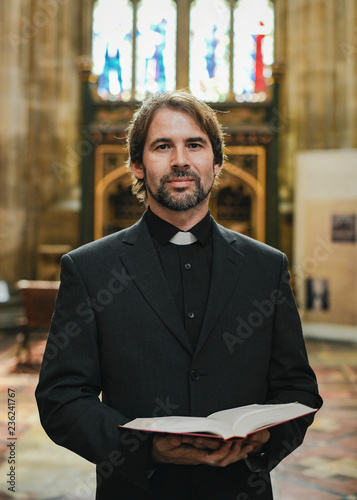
(112, 48)
(253, 49)
(209, 49)
(156, 47)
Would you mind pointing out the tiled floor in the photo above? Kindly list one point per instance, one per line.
(323, 468)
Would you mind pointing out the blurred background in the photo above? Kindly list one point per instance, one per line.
(282, 77)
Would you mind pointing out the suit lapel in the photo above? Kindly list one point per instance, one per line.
(226, 266)
(141, 261)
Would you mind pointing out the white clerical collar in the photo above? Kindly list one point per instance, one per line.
(183, 238)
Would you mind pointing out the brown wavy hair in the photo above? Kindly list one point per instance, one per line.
(179, 100)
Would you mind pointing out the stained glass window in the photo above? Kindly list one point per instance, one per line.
(230, 52)
(156, 47)
(209, 50)
(253, 49)
(112, 48)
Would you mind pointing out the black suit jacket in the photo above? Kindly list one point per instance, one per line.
(116, 333)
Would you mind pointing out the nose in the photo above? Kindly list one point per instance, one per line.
(180, 158)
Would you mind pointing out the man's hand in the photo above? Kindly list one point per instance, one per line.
(193, 450)
(257, 440)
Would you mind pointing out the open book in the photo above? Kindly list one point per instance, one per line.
(227, 424)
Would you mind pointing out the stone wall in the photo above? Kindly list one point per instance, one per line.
(317, 45)
(39, 127)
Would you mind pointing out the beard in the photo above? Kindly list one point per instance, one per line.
(180, 199)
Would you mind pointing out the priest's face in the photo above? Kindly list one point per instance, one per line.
(178, 162)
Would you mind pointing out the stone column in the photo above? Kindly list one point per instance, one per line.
(39, 128)
(14, 121)
(182, 43)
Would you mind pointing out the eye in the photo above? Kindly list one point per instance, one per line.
(162, 147)
(194, 145)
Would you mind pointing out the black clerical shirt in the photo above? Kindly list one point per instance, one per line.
(187, 268)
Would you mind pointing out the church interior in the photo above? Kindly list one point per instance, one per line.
(282, 76)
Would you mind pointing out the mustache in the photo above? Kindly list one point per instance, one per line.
(179, 174)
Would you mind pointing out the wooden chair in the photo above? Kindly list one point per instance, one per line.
(39, 301)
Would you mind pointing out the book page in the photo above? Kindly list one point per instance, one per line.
(181, 425)
(234, 422)
(233, 415)
(247, 419)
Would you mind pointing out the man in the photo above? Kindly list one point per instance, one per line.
(175, 315)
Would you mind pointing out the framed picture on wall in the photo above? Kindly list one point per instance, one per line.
(317, 294)
(344, 228)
